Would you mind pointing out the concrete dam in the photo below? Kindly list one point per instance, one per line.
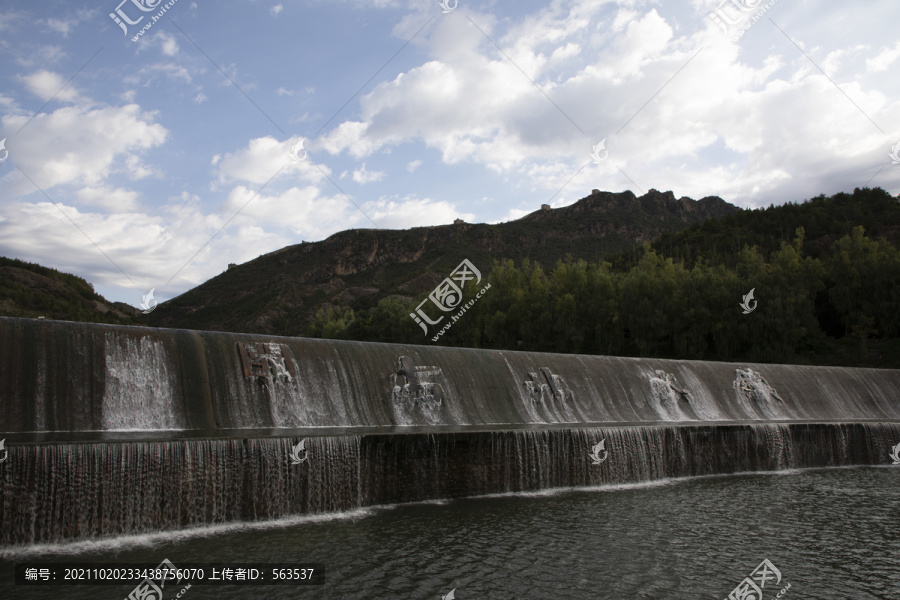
(113, 430)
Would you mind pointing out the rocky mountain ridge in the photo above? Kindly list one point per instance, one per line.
(278, 292)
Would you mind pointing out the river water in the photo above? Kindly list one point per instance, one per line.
(831, 533)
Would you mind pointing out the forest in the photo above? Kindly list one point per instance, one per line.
(680, 297)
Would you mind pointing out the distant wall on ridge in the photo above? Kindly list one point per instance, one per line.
(75, 377)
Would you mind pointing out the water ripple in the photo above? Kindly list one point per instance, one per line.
(832, 534)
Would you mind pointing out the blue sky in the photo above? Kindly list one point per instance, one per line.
(155, 163)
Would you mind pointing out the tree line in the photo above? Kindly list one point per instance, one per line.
(838, 307)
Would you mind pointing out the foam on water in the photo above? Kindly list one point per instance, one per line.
(165, 538)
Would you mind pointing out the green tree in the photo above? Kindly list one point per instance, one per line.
(864, 278)
(331, 323)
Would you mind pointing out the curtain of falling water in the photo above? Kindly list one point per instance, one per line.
(59, 492)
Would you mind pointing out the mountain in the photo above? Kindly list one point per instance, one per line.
(824, 219)
(278, 293)
(612, 274)
(33, 291)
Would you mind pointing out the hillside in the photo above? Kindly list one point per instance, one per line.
(824, 219)
(612, 274)
(31, 290)
(279, 293)
(829, 298)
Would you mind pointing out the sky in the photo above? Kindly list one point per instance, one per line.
(149, 154)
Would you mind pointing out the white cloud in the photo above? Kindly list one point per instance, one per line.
(11, 19)
(513, 214)
(137, 169)
(79, 146)
(754, 122)
(43, 55)
(41, 232)
(350, 136)
(476, 107)
(884, 59)
(262, 159)
(170, 70)
(410, 211)
(301, 211)
(150, 250)
(113, 200)
(838, 58)
(167, 43)
(65, 23)
(8, 104)
(47, 84)
(624, 16)
(159, 38)
(564, 52)
(362, 176)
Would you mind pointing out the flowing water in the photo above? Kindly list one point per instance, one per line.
(831, 533)
(143, 487)
(78, 377)
(126, 433)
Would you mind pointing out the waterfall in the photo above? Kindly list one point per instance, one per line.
(139, 390)
(65, 377)
(140, 487)
(113, 430)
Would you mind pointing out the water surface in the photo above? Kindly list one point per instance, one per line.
(832, 533)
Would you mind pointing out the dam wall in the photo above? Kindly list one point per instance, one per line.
(128, 488)
(75, 377)
(113, 430)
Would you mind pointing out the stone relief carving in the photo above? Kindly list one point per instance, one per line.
(413, 384)
(544, 386)
(666, 388)
(267, 360)
(753, 386)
